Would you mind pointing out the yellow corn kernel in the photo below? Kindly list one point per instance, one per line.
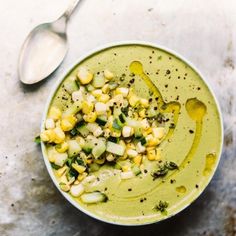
(151, 155)
(48, 136)
(158, 132)
(104, 98)
(125, 168)
(76, 182)
(122, 91)
(62, 170)
(62, 147)
(116, 133)
(82, 176)
(100, 161)
(97, 93)
(130, 146)
(144, 102)
(153, 142)
(87, 107)
(133, 100)
(89, 161)
(59, 135)
(137, 160)
(108, 74)
(90, 117)
(85, 77)
(80, 169)
(54, 113)
(66, 125)
(142, 113)
(147, 132)
(106, 88)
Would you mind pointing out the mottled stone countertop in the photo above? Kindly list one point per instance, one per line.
(204, 31)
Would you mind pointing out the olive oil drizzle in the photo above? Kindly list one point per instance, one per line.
(196, 111)
(136, 68)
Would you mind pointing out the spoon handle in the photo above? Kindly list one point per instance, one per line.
(71, 8)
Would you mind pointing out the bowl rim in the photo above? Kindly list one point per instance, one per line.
(70, 67)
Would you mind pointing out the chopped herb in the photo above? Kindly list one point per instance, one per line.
(54, 166)
(72, 173)
(80, 161)
(160, 172)
(163, 169)
(74, 132)
(172, 126)
(143, 141)
(172, 166)
(121, 118)
(113, 139)
(37, 140)
(161, 206)
(125, 110)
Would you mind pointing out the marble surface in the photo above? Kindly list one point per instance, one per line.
(204, 31)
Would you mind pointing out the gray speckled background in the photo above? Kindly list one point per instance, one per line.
(204, 31)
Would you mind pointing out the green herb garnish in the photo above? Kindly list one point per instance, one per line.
(74, 132)
(164, 169)
(54, 166)
(172, 126)
(161, 206)
(37, 140)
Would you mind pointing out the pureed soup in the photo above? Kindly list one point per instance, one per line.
(133, 134)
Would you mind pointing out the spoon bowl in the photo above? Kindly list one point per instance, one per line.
(44, 49)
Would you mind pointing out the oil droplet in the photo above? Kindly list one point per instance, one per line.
(209, 163)
(181, 189)
(196, 109)
(136, 67)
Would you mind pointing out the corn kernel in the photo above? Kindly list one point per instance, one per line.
(144, 102)
(123, 91)
(137, 160)
(79, 168)
(142, 113)
(62, 170)
(59, 135)
(55, 113)
(87, 107)
(97, 93)
(48, 136)
(151, 155)
(82, 176)
(106, 88)
(133, 100)
(91, 117)
(108, 74)
(158, 132)
(49, 123)
(80, 141)
(66, 125)
(62, 147)
(85, 77)
(104, 98)
(153, 142)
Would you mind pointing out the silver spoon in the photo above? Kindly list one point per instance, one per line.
(44, 49)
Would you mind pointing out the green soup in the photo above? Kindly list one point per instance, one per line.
(193, 141)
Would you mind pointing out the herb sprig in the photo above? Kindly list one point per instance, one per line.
(164, 169)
